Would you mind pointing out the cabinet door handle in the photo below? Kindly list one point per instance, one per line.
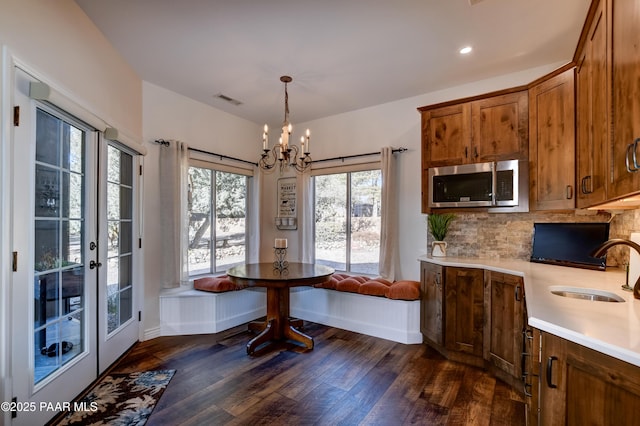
(466, 152)
(438, 279)
(630, 155)
(517, 293)
(583, 185)
(549, 371)
(569, 192)
(636, 166)
(527, 390)
(475, 152)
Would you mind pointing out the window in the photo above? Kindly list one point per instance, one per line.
(347, 220)
(220, 198)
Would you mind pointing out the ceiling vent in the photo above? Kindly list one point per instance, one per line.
(228, 99)
(472, 2)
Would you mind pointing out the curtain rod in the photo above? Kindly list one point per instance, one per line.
(396, 150)
(221, 156)
(358, 155)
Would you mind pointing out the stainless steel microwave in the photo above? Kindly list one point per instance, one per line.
(492, 184)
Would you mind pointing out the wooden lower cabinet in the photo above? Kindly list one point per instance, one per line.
(504, 321)
(580, 386)
(464, 310)
(432, 285)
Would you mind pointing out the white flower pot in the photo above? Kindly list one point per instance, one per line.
(438, 248)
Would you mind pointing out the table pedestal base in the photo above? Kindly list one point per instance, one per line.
(278, 325)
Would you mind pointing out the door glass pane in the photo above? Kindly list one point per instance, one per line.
(120, 236)
(47, 191)
(59, 311)
(48, 130)
(366, 190)
(331, 220)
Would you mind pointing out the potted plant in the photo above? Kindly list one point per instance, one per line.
(439, 227)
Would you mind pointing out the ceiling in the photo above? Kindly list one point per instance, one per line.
(343, 55)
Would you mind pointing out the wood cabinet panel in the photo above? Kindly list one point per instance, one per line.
(581, 386)
(504, 326)
(464, 310)
(446, 133)
(592, 113)
(625, 40)
(500, 127)
(552, 143)
(431, 320)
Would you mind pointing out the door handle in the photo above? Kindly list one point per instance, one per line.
(93, 264)
(549, 371)
(635, 159)
(583, 185)
(627, 159)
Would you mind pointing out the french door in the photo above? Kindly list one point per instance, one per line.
(117, 290)
(73, 224)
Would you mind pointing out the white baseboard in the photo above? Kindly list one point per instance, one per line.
(151, 333)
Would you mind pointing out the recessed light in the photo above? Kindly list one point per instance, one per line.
(466, 50)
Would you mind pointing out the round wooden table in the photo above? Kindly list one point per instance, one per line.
(278, 325)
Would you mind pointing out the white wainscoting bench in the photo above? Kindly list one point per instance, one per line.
(358, 304)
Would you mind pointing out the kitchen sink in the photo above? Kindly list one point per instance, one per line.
(586, 294)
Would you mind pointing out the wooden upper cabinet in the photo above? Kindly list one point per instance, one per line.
(552, 143)
(500, 126)
(592, 113)
(625, 51)
(485, 129)
(446, 133)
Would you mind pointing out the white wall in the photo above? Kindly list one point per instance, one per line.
(168, 115)
(56, 40)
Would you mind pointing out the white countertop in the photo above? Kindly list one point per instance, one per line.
(607, 327)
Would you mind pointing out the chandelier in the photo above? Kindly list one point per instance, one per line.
(284, 153)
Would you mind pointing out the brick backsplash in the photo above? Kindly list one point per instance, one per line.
(508, 235)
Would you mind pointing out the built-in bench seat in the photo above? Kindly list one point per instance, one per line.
(186, 310)
(371, 306)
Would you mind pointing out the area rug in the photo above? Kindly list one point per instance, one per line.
(120, 399)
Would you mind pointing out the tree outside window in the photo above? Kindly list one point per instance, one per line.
(219, 198)
(347, 220)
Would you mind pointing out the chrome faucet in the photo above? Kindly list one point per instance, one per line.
(604, 247)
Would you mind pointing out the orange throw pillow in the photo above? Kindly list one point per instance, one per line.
(215, 284)
(404, 290)
(374, 288)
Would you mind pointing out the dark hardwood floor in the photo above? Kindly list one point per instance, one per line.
(347, 379)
